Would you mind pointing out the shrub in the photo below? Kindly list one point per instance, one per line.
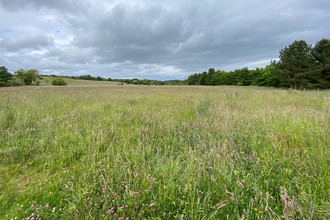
(37, 83)
(3, 84)
(240, 84)
(14, 83)
(58, 81)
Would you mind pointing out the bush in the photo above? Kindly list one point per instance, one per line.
(3, 84)
(37, 83)
(135, 82)
(58, 81)
(14, 83)
(240, 84)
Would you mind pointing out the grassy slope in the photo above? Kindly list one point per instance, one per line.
(194, 151)
(47, 81)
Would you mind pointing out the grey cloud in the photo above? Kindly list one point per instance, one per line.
(29, 41)
(36, 5)
(72, 55)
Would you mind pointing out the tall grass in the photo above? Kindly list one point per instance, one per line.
(138, 152)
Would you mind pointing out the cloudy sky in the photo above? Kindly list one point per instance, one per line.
(154, 39)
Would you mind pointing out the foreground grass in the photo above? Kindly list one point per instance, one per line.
(138, 152)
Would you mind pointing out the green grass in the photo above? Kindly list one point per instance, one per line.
(88, 151)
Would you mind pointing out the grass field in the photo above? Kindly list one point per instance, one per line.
(95, 150)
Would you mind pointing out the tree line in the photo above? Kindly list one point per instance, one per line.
(25, 77)
(300, 65)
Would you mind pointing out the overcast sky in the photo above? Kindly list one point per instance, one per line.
(154, 39)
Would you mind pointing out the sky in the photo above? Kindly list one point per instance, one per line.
(153, 39)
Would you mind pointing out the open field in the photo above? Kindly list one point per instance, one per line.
(152, 152)
(47, 81)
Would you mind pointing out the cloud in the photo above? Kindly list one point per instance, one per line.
(29, 41)
(156, 39)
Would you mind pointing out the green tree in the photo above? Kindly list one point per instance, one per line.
(321, 55)
(58, 81)
(204, 79)
(28, 76)
(296, 63)
(270, 76)
(135, 81)
(219, 78)
(5, 76)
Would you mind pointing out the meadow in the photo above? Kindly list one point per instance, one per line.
(97, 150)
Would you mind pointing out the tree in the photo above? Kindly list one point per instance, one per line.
(219, 78)
(204, 79)
(5, 76)
(270, 76)
(296, 63)
(28, 76)
(135, 81)
(58, 81)
(99, 78)
(321, 55)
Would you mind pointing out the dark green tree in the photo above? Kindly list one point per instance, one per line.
(270, 76)
(204, 79)
(321, 55)
(5, 76)
(194, 79)
(296, 64)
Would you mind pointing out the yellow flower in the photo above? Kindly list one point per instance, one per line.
(183, 148)
(255, 209)
(290, 215)
(164, 187)
(311, 138)
(260, 216)
(170, 195)
(297, 210)
(260, 212)
(271, 197)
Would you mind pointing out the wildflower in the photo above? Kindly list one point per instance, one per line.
(260, 216)
(164, 187)
(271, 197)
(255, 209)
(115, 214)
(164, 213)
(260, 212)
(290, 215)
